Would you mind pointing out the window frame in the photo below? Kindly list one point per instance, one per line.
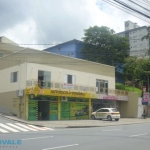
(14, 79)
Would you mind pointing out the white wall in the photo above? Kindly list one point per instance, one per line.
(58, 75)
(5, 76)
(140, 108)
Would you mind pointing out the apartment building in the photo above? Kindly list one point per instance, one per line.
(134, 33)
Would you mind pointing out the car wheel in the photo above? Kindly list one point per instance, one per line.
(109, 118)
(93, 117)
(116, 119)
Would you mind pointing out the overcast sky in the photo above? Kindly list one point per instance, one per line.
(57, 21)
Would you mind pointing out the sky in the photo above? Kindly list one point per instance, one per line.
(55, 21)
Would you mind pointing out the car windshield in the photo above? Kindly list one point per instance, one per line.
(114, 110)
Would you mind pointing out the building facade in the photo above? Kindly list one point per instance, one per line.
(71, 48)
(45, 86)
(134, 33)
(8, 47)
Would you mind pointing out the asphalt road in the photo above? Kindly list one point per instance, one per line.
(123, 137)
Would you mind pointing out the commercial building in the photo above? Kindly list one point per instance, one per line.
(135, 33)
(37, 85)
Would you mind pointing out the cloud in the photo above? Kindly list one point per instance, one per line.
(56, 21)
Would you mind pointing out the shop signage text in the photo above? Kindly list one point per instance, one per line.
(68, 93)
(112, 97)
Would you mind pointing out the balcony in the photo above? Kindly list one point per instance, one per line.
(62, 86)
(75, 87)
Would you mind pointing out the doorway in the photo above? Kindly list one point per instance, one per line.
(43, 110)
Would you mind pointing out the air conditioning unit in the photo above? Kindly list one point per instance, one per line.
(20, 93)
(64, 99)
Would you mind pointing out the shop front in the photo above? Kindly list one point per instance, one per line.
(103, 101)
(47, 104)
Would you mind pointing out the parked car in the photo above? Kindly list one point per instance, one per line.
(106, 113)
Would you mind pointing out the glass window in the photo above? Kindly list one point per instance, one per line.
(114, 110)
(1, 54)
(44, 78)
(69, 80)
(14, 77)
(106, 110)
(102, 86)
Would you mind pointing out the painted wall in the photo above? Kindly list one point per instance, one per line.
(130, 109)
(58, 75)
(5, 80)
(71, 49)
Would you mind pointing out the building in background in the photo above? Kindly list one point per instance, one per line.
(134, 33)
(71, 48)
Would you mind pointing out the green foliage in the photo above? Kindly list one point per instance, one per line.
(137, 69)
(101, 45)
(128, 88)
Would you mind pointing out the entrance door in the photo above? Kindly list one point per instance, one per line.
(43, 110)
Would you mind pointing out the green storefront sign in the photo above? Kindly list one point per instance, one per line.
(32, 110)
(53, 111)
(74, 108)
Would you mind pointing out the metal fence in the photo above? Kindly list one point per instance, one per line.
(74, 87)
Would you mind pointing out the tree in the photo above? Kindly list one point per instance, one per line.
(103, 46)
(130, 69)
(137, 70)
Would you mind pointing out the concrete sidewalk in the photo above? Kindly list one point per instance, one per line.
(81, 123)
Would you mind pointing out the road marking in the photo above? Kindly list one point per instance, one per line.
(37, 138)
(61, 147)
(138, 135)
(111, 130)
(9, 128)
(4, 131)
(45, 128)
(26, 127)
(37, 127)
(22, 129)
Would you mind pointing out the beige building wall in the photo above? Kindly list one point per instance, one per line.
(58, 75)
(130, 108)
(14, 104)
(5, 78)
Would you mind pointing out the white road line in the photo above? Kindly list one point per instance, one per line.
(61, 147)
(38, 128)
(138, 135)
(22, 129)
(45, 128)
(4, 131)
(9, 128)
(26, 127)
(111, 130)
(37, 138)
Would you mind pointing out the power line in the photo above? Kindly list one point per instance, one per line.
(125, 10)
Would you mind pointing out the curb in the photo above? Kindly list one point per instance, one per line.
(80, 126)
(21, 121)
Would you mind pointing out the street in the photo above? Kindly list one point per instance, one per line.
(121, 137)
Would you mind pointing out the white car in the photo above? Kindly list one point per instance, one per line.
(106, 113)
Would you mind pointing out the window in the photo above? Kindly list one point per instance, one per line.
(114, 110)
(44, 78)
(1, 54)
(70, 79)
(102, 86)
(14, 77)
(106, 110)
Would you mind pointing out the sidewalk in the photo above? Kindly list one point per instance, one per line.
(81, 123)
